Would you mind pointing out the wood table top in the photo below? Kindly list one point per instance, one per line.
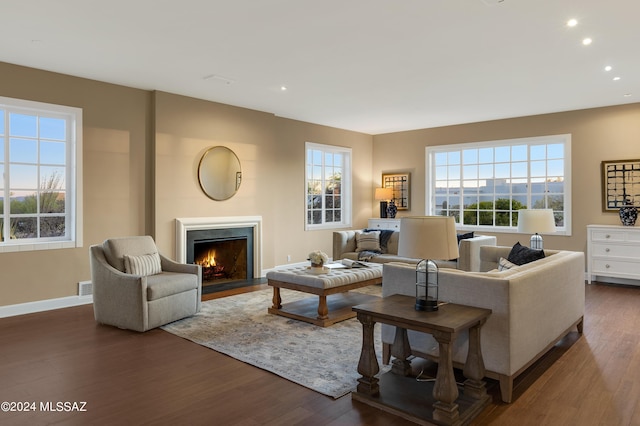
(399, 309)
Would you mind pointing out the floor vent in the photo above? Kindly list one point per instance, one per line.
(85, 288)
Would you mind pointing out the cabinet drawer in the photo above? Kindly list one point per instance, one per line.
(393, 224)
(612, 250)
(608, 235)
(610, 267)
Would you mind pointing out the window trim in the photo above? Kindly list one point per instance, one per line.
(347, 178)
(430, 151)
(73, 174)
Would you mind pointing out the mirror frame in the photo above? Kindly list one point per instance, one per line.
(219, 183)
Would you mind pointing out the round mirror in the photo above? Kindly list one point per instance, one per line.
(219, 173)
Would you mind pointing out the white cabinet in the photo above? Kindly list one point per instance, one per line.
(613, 251)
(384, 224)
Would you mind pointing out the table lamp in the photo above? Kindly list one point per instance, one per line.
(383, 195)
(536, 221)
(427, 238)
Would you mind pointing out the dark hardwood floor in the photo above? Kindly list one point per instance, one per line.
(157, 378)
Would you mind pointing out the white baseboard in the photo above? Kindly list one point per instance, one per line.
(44, 305)
(286, 265)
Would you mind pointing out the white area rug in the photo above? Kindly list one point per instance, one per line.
(322, 359)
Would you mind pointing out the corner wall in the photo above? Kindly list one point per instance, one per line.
(272, 156)
(611, 133)
(141, 152)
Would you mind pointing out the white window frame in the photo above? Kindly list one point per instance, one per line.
(565, 139)
(73, 174)
(346, 179)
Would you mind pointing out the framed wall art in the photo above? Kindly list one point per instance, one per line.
(399, 183)
(620, 184)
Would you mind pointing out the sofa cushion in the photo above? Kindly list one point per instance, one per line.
(504, 264)
(146, 264)
(368, 241)
(169, 283)
(521, 255)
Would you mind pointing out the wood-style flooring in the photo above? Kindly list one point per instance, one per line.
(156, 378)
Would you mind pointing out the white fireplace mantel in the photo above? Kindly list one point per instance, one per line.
(183, 225)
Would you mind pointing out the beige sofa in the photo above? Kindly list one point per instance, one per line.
(345, 245)
(533, 307)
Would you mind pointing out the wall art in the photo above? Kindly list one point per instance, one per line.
(400, 184)
(620, 184)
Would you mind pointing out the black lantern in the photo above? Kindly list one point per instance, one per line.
(426, 286)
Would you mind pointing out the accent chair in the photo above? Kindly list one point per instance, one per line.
(137, 288)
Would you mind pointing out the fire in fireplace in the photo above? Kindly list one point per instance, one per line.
(221, 260)
(225, 254)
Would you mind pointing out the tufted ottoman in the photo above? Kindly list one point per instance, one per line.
(335, 283)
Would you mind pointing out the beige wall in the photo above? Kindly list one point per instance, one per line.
(271, 152)
(115, 177)
(598, 134)
(141, 151)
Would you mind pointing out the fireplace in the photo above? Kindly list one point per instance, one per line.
(225, 254)
(227, 248)
(221, 260)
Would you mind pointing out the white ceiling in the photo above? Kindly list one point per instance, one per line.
(374, 66)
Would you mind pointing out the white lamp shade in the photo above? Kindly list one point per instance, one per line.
(428, 237)
(536, 221)
(383, 194)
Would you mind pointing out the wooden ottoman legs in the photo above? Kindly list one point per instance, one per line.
(277, 301)
(323, 309)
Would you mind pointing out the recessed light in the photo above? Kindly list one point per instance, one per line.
(608, 68)
(627, 95)
(572, 22)
(587, 41)
(616, 78)
(283, 88)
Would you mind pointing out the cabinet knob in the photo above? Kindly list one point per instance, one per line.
(607, 266)
(608, 236)
(607, 250)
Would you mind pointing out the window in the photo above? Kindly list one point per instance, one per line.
(485, 184)
(40, 197)
(327, 186)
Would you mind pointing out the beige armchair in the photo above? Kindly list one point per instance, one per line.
(136, 288)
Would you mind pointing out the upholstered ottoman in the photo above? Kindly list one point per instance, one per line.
(334, 300)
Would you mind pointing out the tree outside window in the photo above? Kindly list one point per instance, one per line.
(327, 186)
(39, 151)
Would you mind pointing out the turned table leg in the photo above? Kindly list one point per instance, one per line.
(401, 350)
(277, 301)
(445, 389)
(474, 370)
(368, 365)
(323, 309)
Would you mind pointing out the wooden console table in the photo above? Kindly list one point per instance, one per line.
(439, 402)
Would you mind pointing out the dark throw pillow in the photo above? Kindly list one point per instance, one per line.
(520, 254)
(464, 236)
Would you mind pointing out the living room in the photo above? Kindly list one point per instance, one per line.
(141, 149)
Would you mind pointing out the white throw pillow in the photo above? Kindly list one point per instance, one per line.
(504, 265)
(369, 241)
(147, 264)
